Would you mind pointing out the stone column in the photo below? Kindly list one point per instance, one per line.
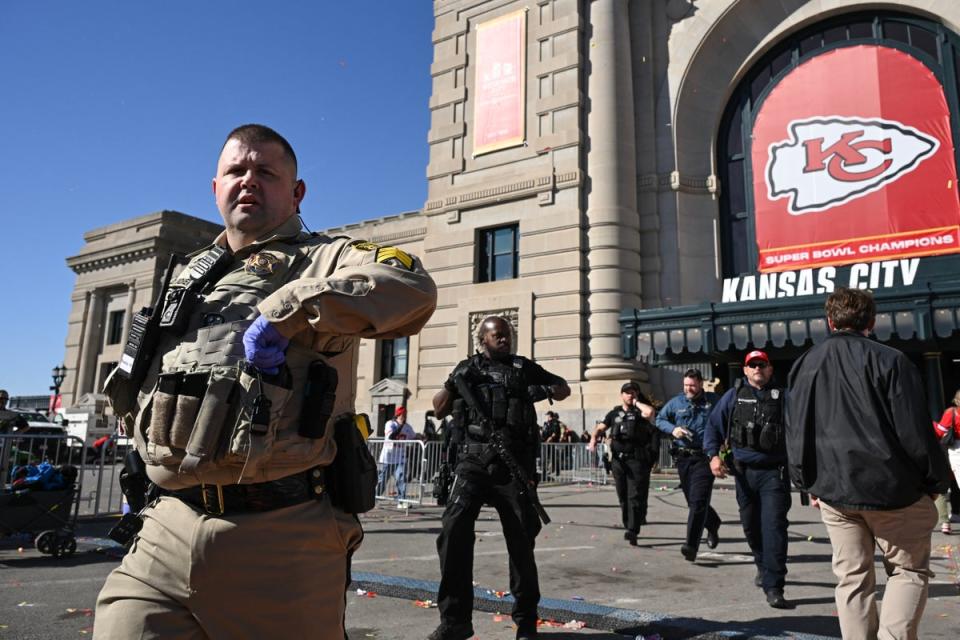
(613, 226)
(88, 342)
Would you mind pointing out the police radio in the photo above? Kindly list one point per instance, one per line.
(143, 336)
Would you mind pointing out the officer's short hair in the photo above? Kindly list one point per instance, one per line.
(852, 309)
(481, 327)
(257, 134)
(4, 395)
(693, 373)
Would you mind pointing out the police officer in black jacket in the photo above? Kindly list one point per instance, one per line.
(491, 397)
(750, 418)
(634, 447)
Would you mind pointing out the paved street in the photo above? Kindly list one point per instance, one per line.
(587, 573)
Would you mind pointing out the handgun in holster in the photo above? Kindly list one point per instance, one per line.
(136, 488)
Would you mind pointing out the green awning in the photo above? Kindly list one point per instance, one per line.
(915, 320)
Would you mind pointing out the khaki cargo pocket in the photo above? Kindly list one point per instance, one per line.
(261, 406)
(207, 436)
(163, 408)
(189, 394)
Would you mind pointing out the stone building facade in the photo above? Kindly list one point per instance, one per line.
(573, 177)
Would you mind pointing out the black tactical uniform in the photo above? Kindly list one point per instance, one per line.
(634, 446)
(502, 390)
(755, 420)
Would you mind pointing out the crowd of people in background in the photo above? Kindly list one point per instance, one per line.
(776, 437)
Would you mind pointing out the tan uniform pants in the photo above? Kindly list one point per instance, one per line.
(276, 574)
(903, 536)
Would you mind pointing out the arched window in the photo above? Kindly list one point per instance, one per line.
(929, 42)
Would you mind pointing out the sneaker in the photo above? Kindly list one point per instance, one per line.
(462, 631)
(527, 634)
(776, 600)
(946, 528)
(630, 537)
(690, 555)
(713, 538)
(758, 579)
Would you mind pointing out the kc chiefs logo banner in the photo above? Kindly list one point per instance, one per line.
(853, 161)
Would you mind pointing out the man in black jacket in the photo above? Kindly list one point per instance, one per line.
(859, 441)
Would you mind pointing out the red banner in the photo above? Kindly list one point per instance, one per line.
(498, 104)
(853, 161)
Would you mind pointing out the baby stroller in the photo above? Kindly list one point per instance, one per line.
(42, 501)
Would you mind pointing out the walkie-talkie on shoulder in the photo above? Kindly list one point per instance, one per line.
(143, 336)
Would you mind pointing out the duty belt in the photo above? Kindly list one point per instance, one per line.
(218, 500)
(687, 452)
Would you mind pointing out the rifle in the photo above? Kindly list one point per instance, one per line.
(525, 486)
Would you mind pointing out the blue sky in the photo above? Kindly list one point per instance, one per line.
(114, 109)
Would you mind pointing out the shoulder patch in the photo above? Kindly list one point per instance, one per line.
(363, 245)
(392, 255)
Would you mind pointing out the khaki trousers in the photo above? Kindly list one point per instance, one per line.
(276, 574)
(903, 536)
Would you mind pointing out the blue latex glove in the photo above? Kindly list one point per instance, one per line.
(264, 346)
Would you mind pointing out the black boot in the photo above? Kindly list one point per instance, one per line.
(462, 631)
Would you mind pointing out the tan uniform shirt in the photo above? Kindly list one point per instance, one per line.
(327, 293)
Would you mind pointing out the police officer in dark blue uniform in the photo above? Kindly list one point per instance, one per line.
(634, 447)
(749, 423)
(685, 417)
(491, 396)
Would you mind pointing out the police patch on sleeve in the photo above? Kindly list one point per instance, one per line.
(395, 257)
(385, 255)
(363, 245)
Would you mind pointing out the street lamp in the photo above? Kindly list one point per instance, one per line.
(58, 374)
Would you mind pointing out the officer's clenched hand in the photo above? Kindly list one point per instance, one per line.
(717, 467)
(264, 346)
(538, 392)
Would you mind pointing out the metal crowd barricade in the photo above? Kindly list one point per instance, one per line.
(401, 469)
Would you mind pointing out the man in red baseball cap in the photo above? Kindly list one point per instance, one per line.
(393, 456)
(748, 423)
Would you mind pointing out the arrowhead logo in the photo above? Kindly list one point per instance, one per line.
(832, 160)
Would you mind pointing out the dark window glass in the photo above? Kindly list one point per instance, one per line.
(836, 34)
(861, 29)
(735, 187)
(738, 238)
(759, 84)
(956, 65)
(781, 62)
(115, 327)
(498, 254)
(925, 40)
(735, 139)
(393, 358)
(896, 31)
(810, 43)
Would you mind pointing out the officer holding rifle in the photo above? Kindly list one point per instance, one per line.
(491, 396)
(238, 389)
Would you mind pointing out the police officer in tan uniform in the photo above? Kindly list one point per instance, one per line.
(234, 415)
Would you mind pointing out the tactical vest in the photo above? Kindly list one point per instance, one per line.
(500, 389)
(630, 433)
(208, 416)
(758, 423)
